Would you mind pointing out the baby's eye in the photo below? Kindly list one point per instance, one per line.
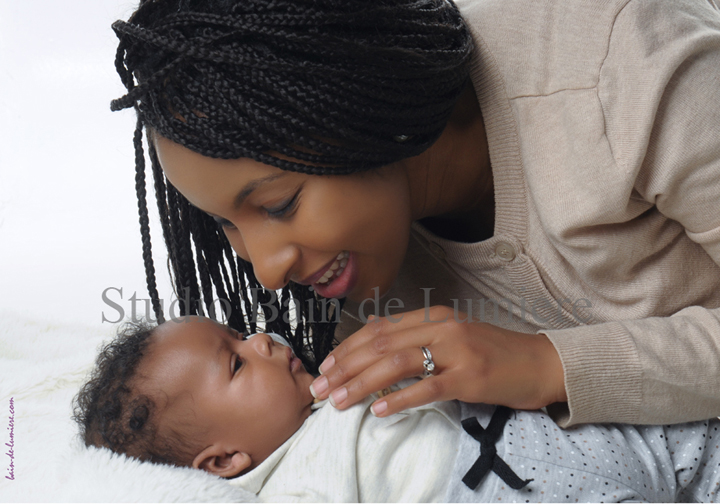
(238, 364)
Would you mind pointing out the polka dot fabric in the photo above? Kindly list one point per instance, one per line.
(695, 450)
(594, 463)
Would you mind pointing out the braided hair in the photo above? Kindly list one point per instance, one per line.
(112, 413)
(323, 87)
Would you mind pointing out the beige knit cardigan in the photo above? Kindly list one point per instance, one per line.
(603, 122)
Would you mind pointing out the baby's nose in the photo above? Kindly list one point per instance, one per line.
(278, 339)
(274, 336)
(261, 343)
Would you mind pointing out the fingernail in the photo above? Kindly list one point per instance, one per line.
(327, 364)
(378, 408)
(319, 386)
(338, 396)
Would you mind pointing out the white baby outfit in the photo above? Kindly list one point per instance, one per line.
(352, 456)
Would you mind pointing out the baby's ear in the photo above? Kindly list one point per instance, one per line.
(217, 461)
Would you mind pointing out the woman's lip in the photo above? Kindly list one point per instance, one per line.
(340, 286)
(316, 276)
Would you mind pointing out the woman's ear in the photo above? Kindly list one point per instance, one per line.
(217, 461)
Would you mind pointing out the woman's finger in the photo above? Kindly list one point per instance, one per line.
(404, 363)
(369, 331)
(391, 348)
(382, 326)
(434, 388)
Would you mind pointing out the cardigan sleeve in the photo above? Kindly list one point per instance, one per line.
(663, 369)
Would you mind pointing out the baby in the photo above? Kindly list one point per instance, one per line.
(197, 393)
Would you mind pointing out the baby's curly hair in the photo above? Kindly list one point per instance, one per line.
(113, 413)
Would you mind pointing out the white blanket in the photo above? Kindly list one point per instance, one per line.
(42, 366)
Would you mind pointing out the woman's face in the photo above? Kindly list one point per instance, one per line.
(344, 235)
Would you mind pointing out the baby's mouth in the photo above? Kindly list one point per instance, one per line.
(335, 269)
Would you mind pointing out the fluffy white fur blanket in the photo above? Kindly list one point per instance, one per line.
(42, 366)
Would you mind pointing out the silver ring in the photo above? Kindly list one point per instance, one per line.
(428, 363)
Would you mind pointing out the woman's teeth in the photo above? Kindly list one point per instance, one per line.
(336, 268)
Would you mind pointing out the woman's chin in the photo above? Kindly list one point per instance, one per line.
(371, 294)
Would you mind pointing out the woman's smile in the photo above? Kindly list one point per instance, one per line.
(336, 269)
(326, 272)
(339, 279)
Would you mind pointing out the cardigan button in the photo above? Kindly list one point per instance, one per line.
(505, 251)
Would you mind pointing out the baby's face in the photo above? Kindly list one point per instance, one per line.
(250, 395)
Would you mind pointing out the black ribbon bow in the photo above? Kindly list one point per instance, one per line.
(488, 458)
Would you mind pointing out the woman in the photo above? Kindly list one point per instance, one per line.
(545, 233)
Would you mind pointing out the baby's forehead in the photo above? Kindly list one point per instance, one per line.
(196, 333)
(201, 326)
(191, 323)
(179, 348)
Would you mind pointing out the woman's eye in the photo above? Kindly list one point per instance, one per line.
(284, 208)
(223, 223)
(238, 364)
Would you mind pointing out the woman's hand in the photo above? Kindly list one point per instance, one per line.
(474, 362)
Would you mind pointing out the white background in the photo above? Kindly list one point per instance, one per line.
(68, 212)
(68, 230)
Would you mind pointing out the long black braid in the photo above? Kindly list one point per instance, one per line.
(324, 87)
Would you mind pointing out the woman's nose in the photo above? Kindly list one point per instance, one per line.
(272, 259)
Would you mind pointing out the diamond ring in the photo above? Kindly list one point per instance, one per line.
(428, 363)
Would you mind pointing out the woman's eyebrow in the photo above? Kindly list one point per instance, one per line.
(252, 185)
